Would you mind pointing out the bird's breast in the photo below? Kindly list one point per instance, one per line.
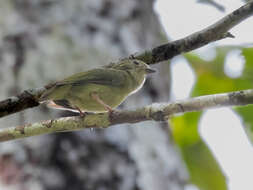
(138, 87)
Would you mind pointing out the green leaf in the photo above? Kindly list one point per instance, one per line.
(246, 114)
(248, 55)
(211, 79)
(203, 169)
(185, 128)
(246, 111)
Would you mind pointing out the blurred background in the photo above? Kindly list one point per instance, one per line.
(46, 40)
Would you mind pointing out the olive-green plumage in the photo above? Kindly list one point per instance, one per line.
(111, 84)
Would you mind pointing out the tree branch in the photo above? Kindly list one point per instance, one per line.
(25, 100)
(217, 31)
(156, 112)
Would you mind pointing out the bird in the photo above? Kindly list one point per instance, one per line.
(97, 90)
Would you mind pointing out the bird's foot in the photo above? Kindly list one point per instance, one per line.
(108, 108)
(82, 113)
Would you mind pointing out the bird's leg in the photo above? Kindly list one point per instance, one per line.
(95, 96)
(82, 113)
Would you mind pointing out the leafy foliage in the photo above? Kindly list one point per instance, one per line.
(203, 169)
(211, 79)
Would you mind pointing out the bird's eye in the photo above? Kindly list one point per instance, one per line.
(136, 63)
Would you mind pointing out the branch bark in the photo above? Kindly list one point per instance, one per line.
(217, 31)
(25, 100)
(214, 32)
(156, 112)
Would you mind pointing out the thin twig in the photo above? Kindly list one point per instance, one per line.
(156, 112)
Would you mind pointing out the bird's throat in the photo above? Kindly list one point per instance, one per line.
(136, 82)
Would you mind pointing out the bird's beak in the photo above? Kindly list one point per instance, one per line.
(149, 70)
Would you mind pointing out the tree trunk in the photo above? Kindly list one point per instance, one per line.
(46, 40)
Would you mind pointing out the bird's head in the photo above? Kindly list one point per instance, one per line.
(134, 66)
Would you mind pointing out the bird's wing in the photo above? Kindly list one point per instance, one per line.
(110, 77)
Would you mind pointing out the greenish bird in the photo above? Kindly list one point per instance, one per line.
(97, 90)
